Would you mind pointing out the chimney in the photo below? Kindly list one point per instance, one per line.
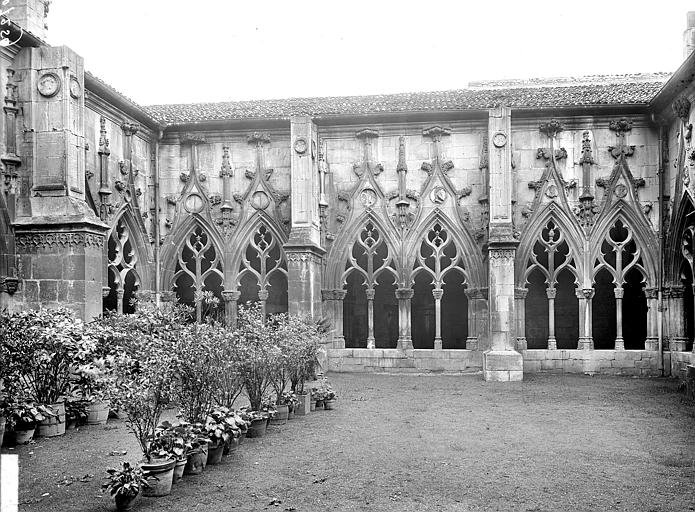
(689, 36)
(28, 14)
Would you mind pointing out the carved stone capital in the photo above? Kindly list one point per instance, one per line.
(370, 292)
(263, 295)
(551, 293)
(585, 293)
(676, 292)
(258, 138)
(105, 291)
(681, 107)
(437, 293)
(167, 296)
(404, 293)
(619, 293)
(551, 128)
(651, 293)
(130, 129)
(436, 132)
(366, 133)
(520, 293)
(231, 295)
(333, 294)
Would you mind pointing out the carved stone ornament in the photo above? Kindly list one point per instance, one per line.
(368, 197)
(438, 195)
(499, 140)
(260, 200)
(620, 190)
(551, 128)
(75, 88)
(49, 85)
(301, 146)
(45, 241)
(194, 203)
(681, 107)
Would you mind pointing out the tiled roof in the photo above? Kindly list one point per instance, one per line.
(636, 89)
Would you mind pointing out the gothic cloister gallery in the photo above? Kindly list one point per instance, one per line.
(508, 227)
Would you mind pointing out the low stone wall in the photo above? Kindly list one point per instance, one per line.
(643, 363)
(413, 361)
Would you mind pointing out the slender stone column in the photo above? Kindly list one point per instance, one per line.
(437, 293)
(404, 296)
(552, 342)
(619, 342)
(370, 317)
(520, 295)
(586, 341)
(119, 299)
(677, 337)
(230, 297)
(501, 362)
(652, 341)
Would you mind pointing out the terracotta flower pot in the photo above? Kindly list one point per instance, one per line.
(97, 413)
(329, 404)
(197, 459)
(215, 453)
(257, 428)
(163, 470)
(125, 502)
(280, 417)
(23, 436)
(178, 469)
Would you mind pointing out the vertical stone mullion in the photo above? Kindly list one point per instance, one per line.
(231, 298)
(677, 338)
(619, 341)
(586, 342)
(552, 342)
(404, 296)
(370, 292)
(437, 293)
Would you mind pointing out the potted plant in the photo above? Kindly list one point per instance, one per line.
(290, 399)
(24, 417)
(143, 362)
(217, 430)
(329, 399)
(317, 396)
(125, 485)
(196, 448)
(46, 345)
(169, 439)
(259, 423)
(308, 339)
(75, 412)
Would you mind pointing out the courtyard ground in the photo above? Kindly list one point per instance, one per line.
(420, 442)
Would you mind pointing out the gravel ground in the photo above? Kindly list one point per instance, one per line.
(420, 442)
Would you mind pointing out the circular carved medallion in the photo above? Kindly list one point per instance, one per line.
(620, 190)
(551, 191)
(75, 88)
(49, 84)
(499, 140)
(259, 200)
(194, 203)
(300, 145)
(438, 195)
(368, 197)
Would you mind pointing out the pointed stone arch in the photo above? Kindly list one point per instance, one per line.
(194, 264)
(128, 261)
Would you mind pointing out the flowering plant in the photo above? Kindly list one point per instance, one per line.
(127, 481)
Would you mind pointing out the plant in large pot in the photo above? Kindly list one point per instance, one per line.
(218, 431)
(307, 338)
(171, 440)
(125, 485)
(142, 388)
(23, 418)
(256, 352)
(46, 345)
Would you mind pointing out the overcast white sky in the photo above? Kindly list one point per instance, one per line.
(177, 51)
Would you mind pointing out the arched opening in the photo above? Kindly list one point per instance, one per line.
(263, 272)
(634, 311)
(688, 310)
(422, 312)
(619, 271)
(566, 312)
(536, 311)
(123, 279)
(454, 312)
(439, 304)
(552, 308)
(603, 311)
(198, 278)
(370, 309)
